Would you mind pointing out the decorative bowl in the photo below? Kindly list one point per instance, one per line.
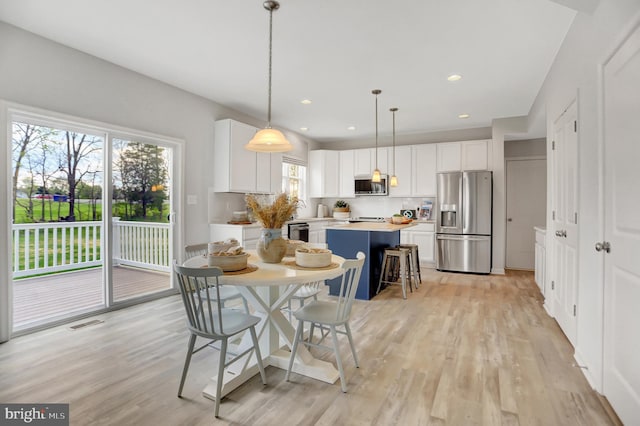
(219, 246)
(397, 219)
(313, 258)
(231, 263)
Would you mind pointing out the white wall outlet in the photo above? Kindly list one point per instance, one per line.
(192, 199)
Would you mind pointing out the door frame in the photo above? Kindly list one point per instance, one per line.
(10, 109)
(506, 181)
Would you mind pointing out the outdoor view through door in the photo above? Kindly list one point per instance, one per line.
(60, 227)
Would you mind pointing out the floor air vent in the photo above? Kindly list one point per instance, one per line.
(85, 324)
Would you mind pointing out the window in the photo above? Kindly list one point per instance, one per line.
(294, 179)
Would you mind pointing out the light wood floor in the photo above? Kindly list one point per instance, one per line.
(462, 350)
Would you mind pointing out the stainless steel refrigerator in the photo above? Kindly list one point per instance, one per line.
(464, 219)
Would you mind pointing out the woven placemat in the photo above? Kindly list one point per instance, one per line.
(293, 265)
(250, 268)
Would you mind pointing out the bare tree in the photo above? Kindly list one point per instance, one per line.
(75, 164)
(24, 136)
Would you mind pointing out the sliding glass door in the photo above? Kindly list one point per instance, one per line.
(141, 218)
(80, 245)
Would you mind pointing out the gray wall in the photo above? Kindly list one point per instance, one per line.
(525, 148)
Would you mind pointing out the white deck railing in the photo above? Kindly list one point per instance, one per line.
(40, 248)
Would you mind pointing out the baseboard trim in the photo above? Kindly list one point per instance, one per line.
(497, 271)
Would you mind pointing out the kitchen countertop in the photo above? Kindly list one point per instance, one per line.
(371, 226)
(298, 220)
(540, 229)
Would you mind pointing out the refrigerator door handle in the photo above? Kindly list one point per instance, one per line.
(462, 237)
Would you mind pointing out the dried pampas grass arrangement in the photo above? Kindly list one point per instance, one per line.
(272, 215)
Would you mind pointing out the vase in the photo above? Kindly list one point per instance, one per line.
(271, 247)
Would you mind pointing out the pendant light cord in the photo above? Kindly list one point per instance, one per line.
(270, 67)
(394, 143)
(376, 131)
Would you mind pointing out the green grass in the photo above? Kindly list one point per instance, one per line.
(83, 211)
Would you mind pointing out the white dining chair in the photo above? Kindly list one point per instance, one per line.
(331, 315)
(207, 318)
(228, 293)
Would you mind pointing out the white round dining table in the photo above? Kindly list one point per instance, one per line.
(267, 289)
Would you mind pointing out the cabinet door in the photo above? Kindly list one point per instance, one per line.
(475, 155)
(347, 174)
(423, 176)
(242, 177)
(426, 245)
(331, 175)
(263, 172)
(362, 162)
(403, 169)
(276, 173)
(383, 160)
(449, 157)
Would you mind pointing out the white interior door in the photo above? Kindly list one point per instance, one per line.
(564, 223)
(622, 230)
(526, 208)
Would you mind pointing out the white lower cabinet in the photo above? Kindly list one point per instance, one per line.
(247, 235)
(424, 235)
(317, 231)
(540, 253)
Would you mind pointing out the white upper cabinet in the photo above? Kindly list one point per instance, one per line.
(323, 173)
(467, 155)
(235, 168)
(449, 157)
(423, 182)
(365, 160)
(476, 155)
(346, 172)
(404, 171)
(276, 172)
(362, 162)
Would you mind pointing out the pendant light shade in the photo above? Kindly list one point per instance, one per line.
(268, 139)
(375, 176)
(394, 179)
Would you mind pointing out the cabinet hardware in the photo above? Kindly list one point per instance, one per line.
(574, 310)
(553, 285)
(603, 246)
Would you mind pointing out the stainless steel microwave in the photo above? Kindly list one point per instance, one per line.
(364, 186)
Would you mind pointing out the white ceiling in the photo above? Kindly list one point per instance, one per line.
(333, 52)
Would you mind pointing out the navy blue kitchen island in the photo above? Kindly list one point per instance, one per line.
(371, 239)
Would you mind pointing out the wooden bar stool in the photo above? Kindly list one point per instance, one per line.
(396, 258)
(415, 262)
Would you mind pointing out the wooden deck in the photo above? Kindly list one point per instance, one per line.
(60, 295)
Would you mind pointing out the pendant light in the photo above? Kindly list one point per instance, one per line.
(375, 177)
(393, 181)
(269, 139)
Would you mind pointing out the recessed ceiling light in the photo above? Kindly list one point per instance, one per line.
(464, 116)
(304, 129)
(351, 128)
(305, 101)
(454, 77)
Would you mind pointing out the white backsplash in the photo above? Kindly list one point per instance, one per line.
(376, 205)
(223, 204)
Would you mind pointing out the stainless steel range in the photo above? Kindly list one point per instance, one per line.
(366, 219)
